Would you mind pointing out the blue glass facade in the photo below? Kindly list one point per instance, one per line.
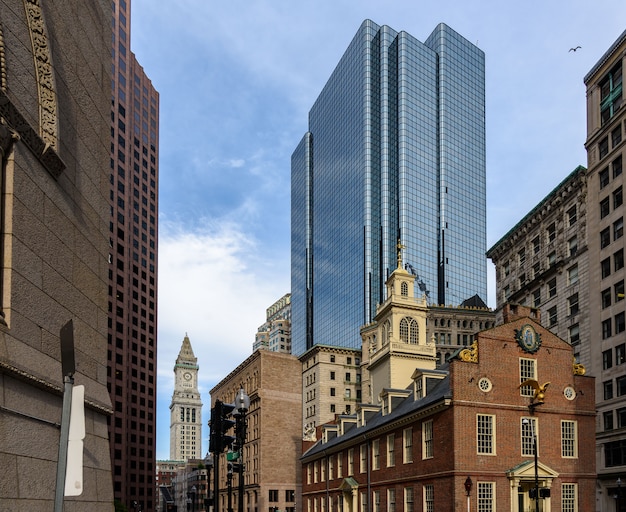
(395, 149)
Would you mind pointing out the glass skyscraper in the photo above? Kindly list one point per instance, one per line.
(395, 151)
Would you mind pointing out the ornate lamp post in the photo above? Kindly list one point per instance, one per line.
(242, 404)
(468, 490)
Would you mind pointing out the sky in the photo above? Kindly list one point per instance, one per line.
(237, 80)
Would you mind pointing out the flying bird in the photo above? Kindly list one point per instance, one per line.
(540, 391)
(574, 49)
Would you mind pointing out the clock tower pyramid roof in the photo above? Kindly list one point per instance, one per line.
(186, 356)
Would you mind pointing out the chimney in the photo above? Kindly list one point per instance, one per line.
(511, 312)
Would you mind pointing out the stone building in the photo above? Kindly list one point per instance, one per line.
(273, 445)
(468, 436)
(275, 333)
(55, 94)
(543, 262)
(606, 151)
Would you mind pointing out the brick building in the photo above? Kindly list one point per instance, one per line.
(272, 380)
(468, 421)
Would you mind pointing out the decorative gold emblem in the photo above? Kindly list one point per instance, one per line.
(528, 338)
(578, 368)
(539, 394)
(470, 355)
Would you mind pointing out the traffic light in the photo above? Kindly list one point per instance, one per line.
(544, 493)
(235, 467)
(220, 424)
(532, 493)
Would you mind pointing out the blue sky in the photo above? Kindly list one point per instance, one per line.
(236, 82)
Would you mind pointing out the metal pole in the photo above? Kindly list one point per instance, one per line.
(230, 491)
(536, 474)
(63, 442)
(241, 430)
(216, 482)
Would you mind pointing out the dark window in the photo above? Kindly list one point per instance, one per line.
(621, 417)
(606, 329)
(618, 260)
(617, 166)
(620, 383)
(608, 389)
(618, 198)
(606, 298)
(552, 287)
(273, 495)
(571, 215)
(537, 297)
(552, 315)
(620, 354)
(618, 229)
(618, 288)
(608, 420)
(620, 322)
(572, 303)
(605, 207)
(615, 453)
(607, 359)
(536, 245)
(604, 177)
(616, 135)
(605, 266)
(551, 232)
(605, 237)
(603, 147)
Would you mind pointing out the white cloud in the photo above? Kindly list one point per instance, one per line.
(214, 284)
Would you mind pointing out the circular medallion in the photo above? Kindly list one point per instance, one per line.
(569, 393)
(187, 376)
(528, 338)
(484, 384)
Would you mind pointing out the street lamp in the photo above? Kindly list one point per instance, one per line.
(619, 494)
(468, 490)
(242, 404)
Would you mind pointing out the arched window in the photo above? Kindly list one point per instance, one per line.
(404, 330)
(409, 331)
(413, 332)
(404, 289)
(386, 332)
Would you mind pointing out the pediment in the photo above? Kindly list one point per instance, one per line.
(348, 484)
(526, 470)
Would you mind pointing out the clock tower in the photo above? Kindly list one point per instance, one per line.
(186, 407)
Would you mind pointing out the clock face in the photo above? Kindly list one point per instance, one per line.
(187, 376)
(528, 338)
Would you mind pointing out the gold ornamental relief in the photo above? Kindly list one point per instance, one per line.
(470, 355)
(48, 113)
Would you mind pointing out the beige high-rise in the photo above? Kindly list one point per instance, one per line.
(606, 134)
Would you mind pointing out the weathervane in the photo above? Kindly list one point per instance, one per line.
(399, 246)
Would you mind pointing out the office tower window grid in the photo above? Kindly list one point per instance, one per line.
(395, 150)
(132, 269)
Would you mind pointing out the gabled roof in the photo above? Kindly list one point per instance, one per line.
(438, 395)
